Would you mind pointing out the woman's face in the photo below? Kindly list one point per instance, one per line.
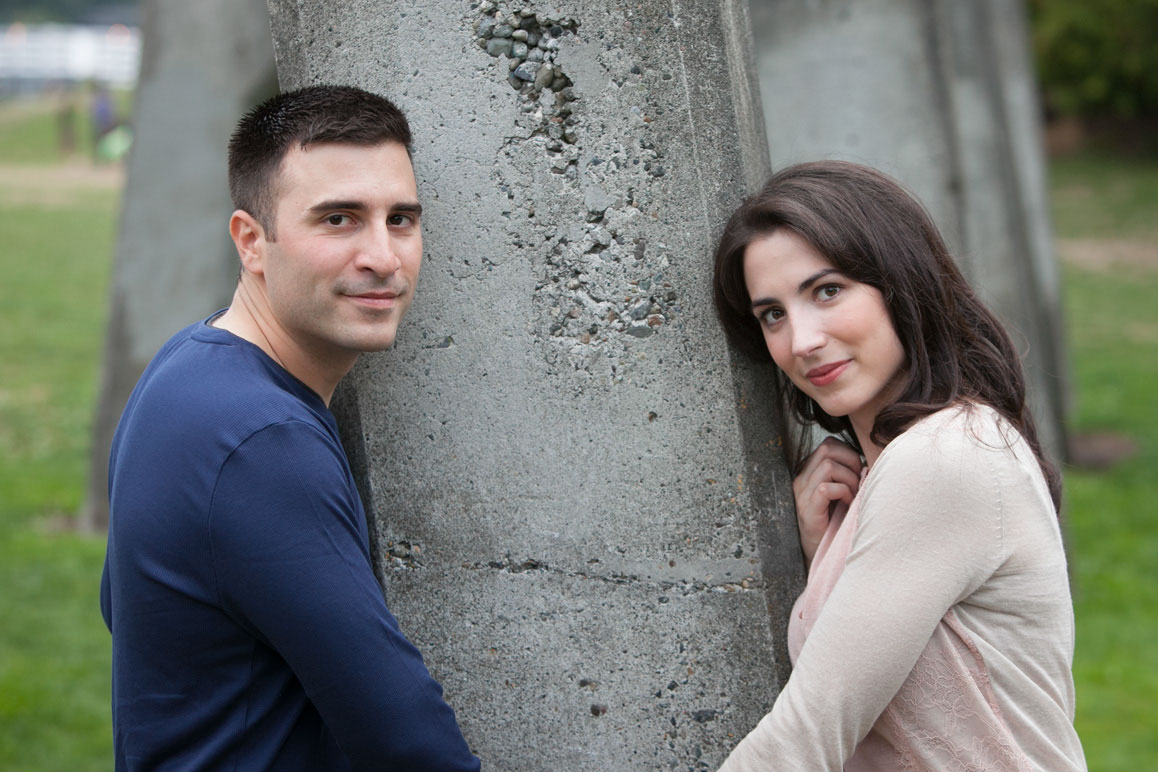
(831, 336)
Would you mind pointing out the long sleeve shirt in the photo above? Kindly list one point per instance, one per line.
(248, 629)
(936, 630)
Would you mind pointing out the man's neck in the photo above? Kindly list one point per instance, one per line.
(250, 318)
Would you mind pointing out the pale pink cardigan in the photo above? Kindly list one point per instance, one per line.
(936, 629)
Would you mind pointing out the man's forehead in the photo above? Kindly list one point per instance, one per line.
(345, 153)
(337, 166)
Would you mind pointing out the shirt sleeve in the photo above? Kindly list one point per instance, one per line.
(929, 534)
(292, 567)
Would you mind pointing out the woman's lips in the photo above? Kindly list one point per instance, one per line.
(826, 374)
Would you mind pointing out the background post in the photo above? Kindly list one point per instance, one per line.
(942, 96)
(202, 65)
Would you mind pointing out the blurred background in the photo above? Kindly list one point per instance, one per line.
(68, 69)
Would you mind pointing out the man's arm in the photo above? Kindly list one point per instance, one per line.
(291, 565)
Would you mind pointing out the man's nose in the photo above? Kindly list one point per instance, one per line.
(378, 251)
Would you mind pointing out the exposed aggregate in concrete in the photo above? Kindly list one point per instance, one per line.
(529, 43)
(600, 292)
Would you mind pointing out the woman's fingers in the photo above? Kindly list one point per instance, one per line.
(835, 450)
(830, 469)
(830, 474)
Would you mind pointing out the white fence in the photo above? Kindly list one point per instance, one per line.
(51, 53)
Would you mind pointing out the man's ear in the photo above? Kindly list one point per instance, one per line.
(249, 238)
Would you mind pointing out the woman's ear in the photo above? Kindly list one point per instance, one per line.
(250, 240)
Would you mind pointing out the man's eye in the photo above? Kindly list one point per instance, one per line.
(400, 220)
(337, 219)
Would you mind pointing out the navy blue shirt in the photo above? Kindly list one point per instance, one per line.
(248, 629)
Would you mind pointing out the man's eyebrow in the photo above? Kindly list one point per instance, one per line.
(409, 207)
(328, 206)
(804, 285)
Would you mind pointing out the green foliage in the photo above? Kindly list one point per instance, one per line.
(1097, 57)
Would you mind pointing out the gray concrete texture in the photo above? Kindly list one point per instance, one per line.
(578, 499)
(942, 96)
(202, 66)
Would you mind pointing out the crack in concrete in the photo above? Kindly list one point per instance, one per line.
(684, 587)
(406, 556)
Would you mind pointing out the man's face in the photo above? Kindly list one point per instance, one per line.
(348, 248)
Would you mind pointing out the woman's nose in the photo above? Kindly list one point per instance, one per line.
(807, 337)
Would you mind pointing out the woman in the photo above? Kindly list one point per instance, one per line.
(936, 628)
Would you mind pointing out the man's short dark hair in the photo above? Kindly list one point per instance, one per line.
(302, 118)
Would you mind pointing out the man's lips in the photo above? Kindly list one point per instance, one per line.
(826, 374)
(375, 299)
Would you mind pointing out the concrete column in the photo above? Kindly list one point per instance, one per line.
(942, 96)
(579, 504)
(203, 64)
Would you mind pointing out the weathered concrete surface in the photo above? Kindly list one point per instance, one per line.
(202, 66)
(942, 96)
(579, 503)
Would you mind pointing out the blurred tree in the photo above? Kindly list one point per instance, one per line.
(1097, 58)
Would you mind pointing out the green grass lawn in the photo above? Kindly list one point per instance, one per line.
(1099, 195)
(1112, 320)
(54, 650)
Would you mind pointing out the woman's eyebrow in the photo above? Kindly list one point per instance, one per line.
(804, 285)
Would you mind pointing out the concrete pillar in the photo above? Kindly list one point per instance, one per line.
(203, 64)
(942, 96)
(579, 504)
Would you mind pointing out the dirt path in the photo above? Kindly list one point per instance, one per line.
(23, 109)
(56, 184)
(1100, 254)
(74, 174)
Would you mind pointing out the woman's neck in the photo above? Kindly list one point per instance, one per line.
(864, 436)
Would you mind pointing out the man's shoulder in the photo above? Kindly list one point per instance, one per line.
(209, 374)
(205, 393)
(209, 404)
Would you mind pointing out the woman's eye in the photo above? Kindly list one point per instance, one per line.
(772, 315)
(828, 291)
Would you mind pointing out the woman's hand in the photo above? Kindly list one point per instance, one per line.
(831, 474)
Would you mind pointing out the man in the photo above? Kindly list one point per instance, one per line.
(248, 629)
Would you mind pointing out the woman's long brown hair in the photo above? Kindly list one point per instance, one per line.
(874, 232)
